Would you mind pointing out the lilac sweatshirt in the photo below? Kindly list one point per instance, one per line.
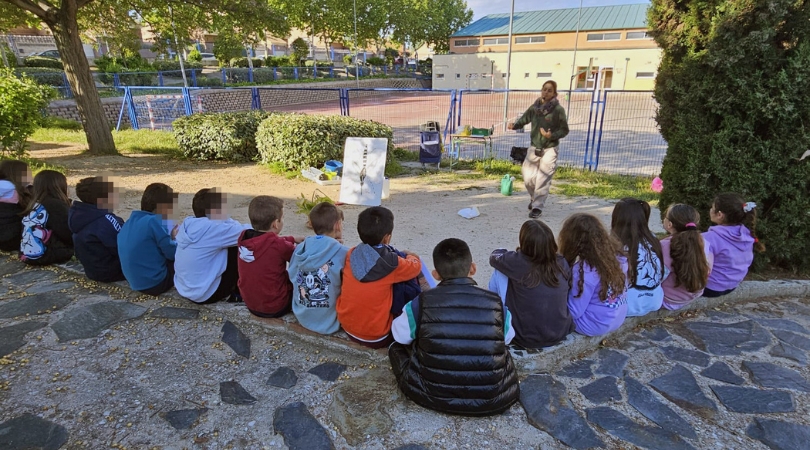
(592, 317)
(733, 250)
(678, 297)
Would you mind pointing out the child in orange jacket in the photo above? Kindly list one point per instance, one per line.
(364, 307)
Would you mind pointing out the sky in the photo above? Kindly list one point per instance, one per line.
(483, 7)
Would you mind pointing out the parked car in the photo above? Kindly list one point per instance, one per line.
(209, 59)
(47, 54)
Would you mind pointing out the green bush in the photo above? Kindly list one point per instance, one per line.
(39, 61)
(11, 58)
(298, 141)
(43, 75)
(277, 61)
(733, 98)
(171, 65)
(243, 62)
(21, 103)
(239, 75)
(195, 56)
(375, 61)
(203, 81)
(220, 136)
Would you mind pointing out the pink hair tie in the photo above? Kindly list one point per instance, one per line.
(690, 226)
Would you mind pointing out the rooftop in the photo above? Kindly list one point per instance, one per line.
(560, 20)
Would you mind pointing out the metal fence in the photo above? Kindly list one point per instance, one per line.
(610, 131)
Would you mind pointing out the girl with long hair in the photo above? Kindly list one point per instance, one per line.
(732, 240)
(646, 268)
(533, 281)
(688, 259)
(15, 176)
(597, 299)
(46, 238)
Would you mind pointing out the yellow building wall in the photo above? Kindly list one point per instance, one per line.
(530, 69)
(556, 41)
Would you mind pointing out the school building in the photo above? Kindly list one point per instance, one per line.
(612, 51)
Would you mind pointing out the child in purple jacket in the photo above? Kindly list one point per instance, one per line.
(732, 243)
(597, 299)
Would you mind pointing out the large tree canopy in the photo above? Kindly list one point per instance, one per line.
(169, 19)
(734, 94)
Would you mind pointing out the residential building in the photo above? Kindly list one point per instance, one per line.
(604, 46)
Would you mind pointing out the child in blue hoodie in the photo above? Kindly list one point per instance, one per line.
(145, 246)
(95, 229)
(205, 264)
(732, 243)
(315, 271)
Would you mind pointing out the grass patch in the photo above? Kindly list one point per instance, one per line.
(403, 155)
(580, 182)
(278, 168)
(37, 165)
(126, 141)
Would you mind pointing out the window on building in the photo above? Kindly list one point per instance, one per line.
(526, 75)
(645, 74)
(543, 74)
(466, 42)
(503, 75)
(496, 41)
(440, 76)
(473, 76)
(637, 35)
(604, 36)
(530, 40)
(458, 75)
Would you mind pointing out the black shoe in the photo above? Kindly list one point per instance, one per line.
(530, 206)
(535, 213)
(234, 298)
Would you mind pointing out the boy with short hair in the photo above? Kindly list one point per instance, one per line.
(95, 229)
(206, 268)
(463, 365)
(263, 256)
(372, 268)
(315, 270)
(146, 248)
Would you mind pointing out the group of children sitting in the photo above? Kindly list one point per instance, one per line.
(448, 342)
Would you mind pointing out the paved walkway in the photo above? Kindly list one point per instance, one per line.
(84, 365)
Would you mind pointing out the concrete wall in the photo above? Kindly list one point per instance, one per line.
(66, 109)
(631, 68)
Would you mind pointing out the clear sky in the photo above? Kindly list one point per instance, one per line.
(483, 7)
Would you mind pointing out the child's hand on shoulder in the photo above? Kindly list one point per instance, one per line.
(175, 230)
(410, 253)
(298, 239)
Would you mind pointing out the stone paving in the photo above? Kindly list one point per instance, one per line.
(87, 365)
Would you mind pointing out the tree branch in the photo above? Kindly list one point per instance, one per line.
(80, 3)
(34, 8)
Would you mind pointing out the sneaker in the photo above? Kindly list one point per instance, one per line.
(234, 298)
(530, 206)
(535, 213)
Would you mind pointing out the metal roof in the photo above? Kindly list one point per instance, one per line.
(560, 20)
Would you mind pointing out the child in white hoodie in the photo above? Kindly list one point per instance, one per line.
(206, 260)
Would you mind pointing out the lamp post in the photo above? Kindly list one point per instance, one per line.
(356, 46)
(508, 68)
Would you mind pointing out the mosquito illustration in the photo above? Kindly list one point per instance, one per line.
(363, 171)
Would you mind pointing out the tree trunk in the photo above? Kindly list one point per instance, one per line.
(66, 34)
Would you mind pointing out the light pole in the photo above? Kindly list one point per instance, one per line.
(356, 46)
(508, 67)
(574, 63)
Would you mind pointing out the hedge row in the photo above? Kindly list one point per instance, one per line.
(299, 140)
(40, 61)
(43, 75)
(293, 140)
(220, 136)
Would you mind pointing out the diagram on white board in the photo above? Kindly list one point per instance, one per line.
(363, 171)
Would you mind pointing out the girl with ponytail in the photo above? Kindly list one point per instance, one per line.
(687, 258)
(733, 241)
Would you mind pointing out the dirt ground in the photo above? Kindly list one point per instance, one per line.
(425, 206)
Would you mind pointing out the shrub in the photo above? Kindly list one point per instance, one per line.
(297, 140)
(171, 64)
(375, 61)
(221, 136)
(300, 49)
(195, 56)
(243, 62)
(11, 58)
(39, 61)
(203, 81)
(43, 75)
(239, 75)
(277, 61)
(21, 103)
(733, 96)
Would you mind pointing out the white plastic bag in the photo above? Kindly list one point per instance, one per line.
(469, 213)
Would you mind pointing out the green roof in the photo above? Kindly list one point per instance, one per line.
(560, 20)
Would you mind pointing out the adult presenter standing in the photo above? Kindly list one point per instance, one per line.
(549, 125)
